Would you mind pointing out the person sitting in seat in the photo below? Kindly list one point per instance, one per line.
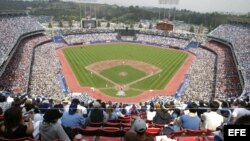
(14, 125)
(72, 118)
(138, 132)
(212, 119)
(49, 129)
(191, 120)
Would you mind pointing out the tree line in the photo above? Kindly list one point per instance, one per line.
(71, 11)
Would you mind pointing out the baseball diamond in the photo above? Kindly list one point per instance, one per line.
(135, 68)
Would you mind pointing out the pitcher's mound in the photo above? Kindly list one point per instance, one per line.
(123, 73)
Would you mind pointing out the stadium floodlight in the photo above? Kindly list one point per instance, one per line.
(87, 1)
(168, 2)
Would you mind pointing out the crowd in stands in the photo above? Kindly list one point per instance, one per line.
(16, 76)
(50, 119)
(46, 66)
(238, 34)
(11, 28)
(165, 41)
(48, 114)
(74, 31)
(201, 76)
(85, 38)
(228, 83)
(171, 34)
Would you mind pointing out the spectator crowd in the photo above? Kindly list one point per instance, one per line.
(86, 38)
(16, 76)
(50, 119)
(164, 41)
(228, 83)
(11, 28)
(46, 66)
(238, 34)
(201, 76)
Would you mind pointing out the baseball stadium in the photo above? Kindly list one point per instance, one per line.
(94, 70)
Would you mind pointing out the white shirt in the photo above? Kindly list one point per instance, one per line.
(38, 117)
(82, 109)
(151, 115)
(239, 112)
(212, 120)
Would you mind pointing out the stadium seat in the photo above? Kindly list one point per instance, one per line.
(114, 121)
(126, 125)
(110, 124)
(18, 139)
(195, 132)
(179, 133)
(153, 131)
(125, 120)
(89, 133)
(208, 138)
(95, 124)
(188, 138)
(209, 132)
(159, 125)
(111, 134)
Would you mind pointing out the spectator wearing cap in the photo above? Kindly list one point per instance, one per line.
(97, 114)
(72, 118)
(240, 110)
(162, 116)
(81, 109)
(58, 104)
(66, 104)
(190, 120)
(42, 109)
(138, 131)
(14, 126)
(212, 120)
(50, 129)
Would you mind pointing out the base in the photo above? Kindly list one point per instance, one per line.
(121, 93)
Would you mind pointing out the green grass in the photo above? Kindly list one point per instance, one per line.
(169, 61)
(114, 74)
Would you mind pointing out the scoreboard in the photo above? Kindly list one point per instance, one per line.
(126, 32)
(165, 26)
(86, 23)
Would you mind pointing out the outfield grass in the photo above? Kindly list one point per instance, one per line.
(130, 74)
(169, 61)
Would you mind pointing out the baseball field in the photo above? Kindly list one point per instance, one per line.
(132, 68)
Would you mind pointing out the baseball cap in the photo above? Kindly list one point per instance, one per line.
(139, 125)
(51, 115)
(96, 104)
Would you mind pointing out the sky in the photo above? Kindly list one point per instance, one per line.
(231, 6)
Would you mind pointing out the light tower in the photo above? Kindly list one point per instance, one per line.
(168, 2)
(89, 5)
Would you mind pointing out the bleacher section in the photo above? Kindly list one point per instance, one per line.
(11, 29)
(236, 36)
